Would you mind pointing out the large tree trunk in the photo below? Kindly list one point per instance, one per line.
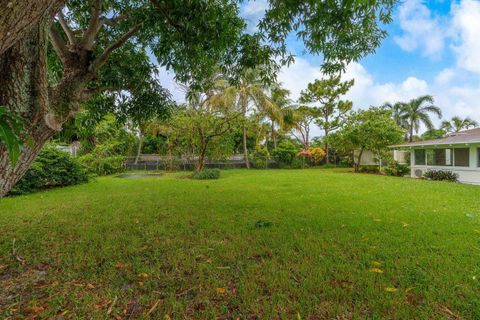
(201, 158)
(10, 175)
(19, 17)
(24, 90)
(410, 139)
(245, 148)
(327, 158)
(356, 164)
(139, 149)
(274, 136)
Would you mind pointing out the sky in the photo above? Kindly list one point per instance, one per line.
(433, 47)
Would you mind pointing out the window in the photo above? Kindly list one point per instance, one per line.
(462, 157)
(420, 157)
(439, 157)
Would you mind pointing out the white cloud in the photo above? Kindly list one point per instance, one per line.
(445, 76)
(167, 80)
(296, 77)
(466, 24)
(421, 30)
(364, 93)
(253, 12)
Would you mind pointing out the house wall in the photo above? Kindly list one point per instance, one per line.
(370, 159)
(470, 174)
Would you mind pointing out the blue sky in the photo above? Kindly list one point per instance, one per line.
(433, 47)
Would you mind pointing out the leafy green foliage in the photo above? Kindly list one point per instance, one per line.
(372, 130)
(260, 157)
(102, 166)
(332, 109)
(369, 169)
(457, 124)
(11, 129)
(206, 174)
(52, 168)
(433, 134)
(286, 154)
(263, 224)
(396, 169)
(341, 31)
(441, 175)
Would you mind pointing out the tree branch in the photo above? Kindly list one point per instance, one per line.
(92, 92)
(93, 26)
(70, 35)
(100, 61)
(58, 43)
(115, 20)
(165, 14)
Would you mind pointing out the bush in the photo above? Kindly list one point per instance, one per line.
(102, 166)
(260, 157)
(52, 168)
(285, 154)
(206, 174)
(397, 170)
(441, 175)
(317, 155)
(369, 169)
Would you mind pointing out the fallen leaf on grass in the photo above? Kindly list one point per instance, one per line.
(376, 270)
(391, 289)
(153, 307)
(143, 275)
(220, 290)
(35, 310)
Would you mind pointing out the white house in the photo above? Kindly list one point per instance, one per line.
(457, 152)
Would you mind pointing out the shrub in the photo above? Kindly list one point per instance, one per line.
(102, 166)
(369, 169)
(397, 170)
(206, 174)
(441, 175)
(260, 157)
(317, 154)
(285, 154)
(52, 168)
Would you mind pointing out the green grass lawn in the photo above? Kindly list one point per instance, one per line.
(340, 245)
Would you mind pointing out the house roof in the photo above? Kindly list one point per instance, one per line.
(462, 137)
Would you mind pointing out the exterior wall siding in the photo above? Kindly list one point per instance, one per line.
(470, 174)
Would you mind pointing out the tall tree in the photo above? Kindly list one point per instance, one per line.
(397, 109)
(332, 109)
(371, 129)
(418, 111)
(303, 118)
(96, 45)
(280, 97)
(248, 95)
(457, 124)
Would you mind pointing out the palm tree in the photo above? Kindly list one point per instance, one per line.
(417, 111)
(397, 113)
(279, 97)
(248, 95)
(457, 124)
